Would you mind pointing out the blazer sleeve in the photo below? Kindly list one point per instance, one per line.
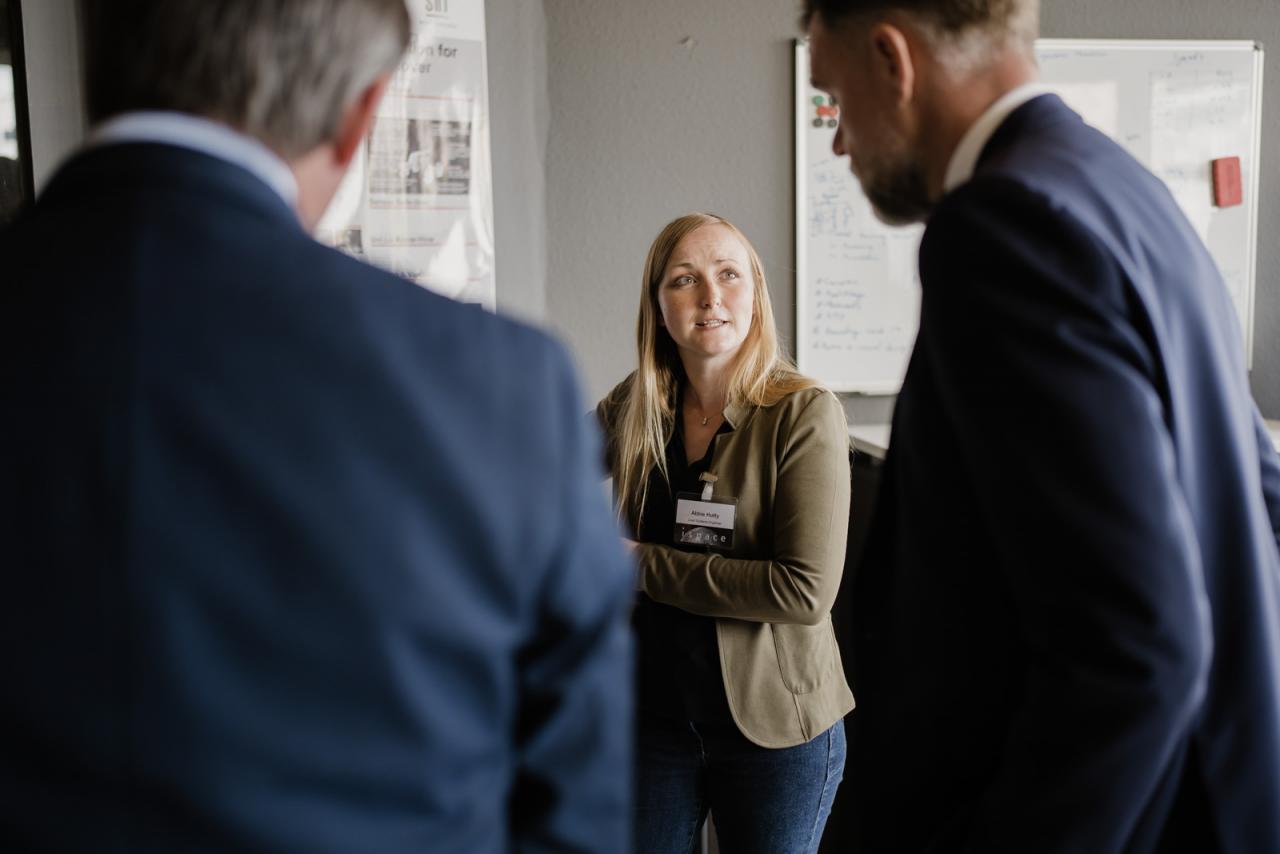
(1048, 386)
(798, 583)
(572, 788)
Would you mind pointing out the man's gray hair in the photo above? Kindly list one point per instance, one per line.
(282, 71)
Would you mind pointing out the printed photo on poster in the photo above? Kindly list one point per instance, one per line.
(420, 157)
(419, 199)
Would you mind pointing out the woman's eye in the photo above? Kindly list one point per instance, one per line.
(683, 280)
(730, 274)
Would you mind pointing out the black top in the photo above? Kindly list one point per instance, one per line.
(679, 661)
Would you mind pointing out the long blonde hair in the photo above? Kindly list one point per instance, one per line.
(762, 375)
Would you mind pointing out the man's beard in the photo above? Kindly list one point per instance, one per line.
(896, 187)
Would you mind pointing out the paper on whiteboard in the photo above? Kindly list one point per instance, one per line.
(1197, 114)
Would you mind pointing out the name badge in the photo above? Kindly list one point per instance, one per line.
(705, 523)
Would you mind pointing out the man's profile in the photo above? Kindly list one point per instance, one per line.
(1068, 610)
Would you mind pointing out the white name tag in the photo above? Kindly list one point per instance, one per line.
(705, 523)
(690, 511)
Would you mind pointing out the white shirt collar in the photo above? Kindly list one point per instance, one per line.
(965, 158)
(205, 136)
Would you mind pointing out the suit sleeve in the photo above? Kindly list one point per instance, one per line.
(1048, 386)
(799, 581)
(572, 790)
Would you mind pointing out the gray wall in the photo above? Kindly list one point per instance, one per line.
(660, 108)
(517, 48)
(673, 105)
(609, 118)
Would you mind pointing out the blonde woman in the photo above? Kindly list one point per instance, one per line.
(732, 471)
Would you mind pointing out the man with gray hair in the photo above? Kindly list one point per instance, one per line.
(1068, 634)
(296, 555)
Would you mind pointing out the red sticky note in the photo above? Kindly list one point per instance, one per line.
(1226, 182)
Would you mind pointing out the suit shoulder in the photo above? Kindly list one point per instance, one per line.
(449, 317)
(491, 354)
(366, 282)
(998, 188)
(1069, 166)
(1006, 209)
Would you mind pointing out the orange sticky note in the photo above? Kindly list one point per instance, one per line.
(1226, 182)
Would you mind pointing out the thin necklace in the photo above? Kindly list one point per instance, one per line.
(705, 418)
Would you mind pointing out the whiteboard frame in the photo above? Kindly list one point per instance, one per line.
(801, 86)
(884, 387)
(801, 184)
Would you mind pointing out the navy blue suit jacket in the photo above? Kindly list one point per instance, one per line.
(297, 556)
(1069, 612)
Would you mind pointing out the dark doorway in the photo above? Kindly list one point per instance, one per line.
(16, 184)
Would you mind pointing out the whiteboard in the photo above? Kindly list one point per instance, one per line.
(1174, 105)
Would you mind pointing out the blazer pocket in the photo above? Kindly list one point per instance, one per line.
(806, 654)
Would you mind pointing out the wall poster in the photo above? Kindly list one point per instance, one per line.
(418, 200)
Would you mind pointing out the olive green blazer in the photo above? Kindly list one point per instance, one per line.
(788, 466)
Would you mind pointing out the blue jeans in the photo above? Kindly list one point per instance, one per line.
(772, 801)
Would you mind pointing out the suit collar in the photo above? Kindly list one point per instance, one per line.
(967, 152)
(206, 136)
(119, 170)
(1036, 114)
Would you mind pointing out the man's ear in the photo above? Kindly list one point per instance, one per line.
(892, 60)
(357, 120)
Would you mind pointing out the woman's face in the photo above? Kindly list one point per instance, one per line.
(707, 295)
